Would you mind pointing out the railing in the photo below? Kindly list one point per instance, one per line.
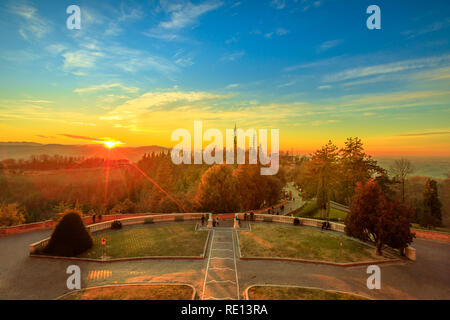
(290, 220)
(126, 222)
(339, 206)
(193, 216)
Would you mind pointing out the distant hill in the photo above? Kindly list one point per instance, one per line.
(24, 150)
(435, 167)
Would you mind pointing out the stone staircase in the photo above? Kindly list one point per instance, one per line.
(221, 281)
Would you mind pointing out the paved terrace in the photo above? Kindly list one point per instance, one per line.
(22, 277)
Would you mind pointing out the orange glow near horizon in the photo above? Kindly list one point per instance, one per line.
(111, 143)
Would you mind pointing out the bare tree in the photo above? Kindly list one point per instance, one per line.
(401, 169)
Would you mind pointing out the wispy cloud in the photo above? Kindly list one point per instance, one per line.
(314, 64)
(278, 4)
(405, 65)
(433, 27)
(32, 25)
(106, 87)
(188, 14)
(329, 44)
(124, 15)
(278, 32)
(180, 17)
(78, 137)
(45, 137)
(233, 56)
(317, 123)
(232, 86)
(425, 133)
(308, 4)
(287, 84)
(80, 59)
(236, 4)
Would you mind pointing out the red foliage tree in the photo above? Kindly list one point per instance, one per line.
(373, 218)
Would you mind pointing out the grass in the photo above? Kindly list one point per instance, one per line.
(132, 292)
(440, 229)
(274, 240)
(310, 210)
(176, 239)
(294, 293)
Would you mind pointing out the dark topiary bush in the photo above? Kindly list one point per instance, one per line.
(70, 237)
(296, 222)
(116, 225)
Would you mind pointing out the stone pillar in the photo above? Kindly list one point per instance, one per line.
(410, 253)
(210, 221)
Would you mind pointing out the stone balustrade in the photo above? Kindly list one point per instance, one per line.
(126, 222)
(290, 220)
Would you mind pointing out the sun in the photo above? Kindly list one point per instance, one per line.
(111, 143)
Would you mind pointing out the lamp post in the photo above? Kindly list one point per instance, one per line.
(103, 247)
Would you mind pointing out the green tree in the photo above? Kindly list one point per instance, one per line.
(217, 191)
(317, 178)
(354, 166)
(256, 190)
(431, 203)
(164, 178)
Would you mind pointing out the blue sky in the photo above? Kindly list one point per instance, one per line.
(138, 70)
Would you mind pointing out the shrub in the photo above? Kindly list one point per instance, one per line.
(148, 220)
(115, 225)
(296, 222)
(179, 218)
(10, 215)
(70, 237)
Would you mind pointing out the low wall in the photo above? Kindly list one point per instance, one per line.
(432, 235)
(50, 224)
(290, 220)
(126, 222)
(229, 216)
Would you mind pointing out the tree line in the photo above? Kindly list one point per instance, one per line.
(135, 188)
(56, 162)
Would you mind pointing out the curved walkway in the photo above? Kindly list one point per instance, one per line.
(22, 277)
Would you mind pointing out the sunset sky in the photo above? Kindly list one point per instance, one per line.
(136, 71)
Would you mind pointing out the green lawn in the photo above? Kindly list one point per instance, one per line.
(175, 239)
(133, 292)
(293, 293)
(310, 210)
(274, 240)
